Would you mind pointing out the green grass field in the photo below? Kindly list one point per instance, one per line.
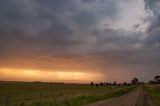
(154, 91)
(50, 94)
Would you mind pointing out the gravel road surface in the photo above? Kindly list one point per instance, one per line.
(137, 97)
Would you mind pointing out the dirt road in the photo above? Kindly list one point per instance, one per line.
(137, 97)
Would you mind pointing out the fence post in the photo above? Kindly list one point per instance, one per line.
(40, 96)
(7, 100)
(22, 103)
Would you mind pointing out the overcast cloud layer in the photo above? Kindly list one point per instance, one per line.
(107, 36)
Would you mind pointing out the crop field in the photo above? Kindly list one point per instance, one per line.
(54, 94)
(154, 91)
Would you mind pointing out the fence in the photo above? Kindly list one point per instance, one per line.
(10, 100)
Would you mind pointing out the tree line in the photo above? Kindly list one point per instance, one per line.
(134, 81)
(156, 80)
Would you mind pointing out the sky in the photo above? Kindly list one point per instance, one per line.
(79, 40)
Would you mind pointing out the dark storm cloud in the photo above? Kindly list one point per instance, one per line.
(76, 29)
(118, 37)
(41, 25)
(153, 6)
(28, 27)
(85, 19)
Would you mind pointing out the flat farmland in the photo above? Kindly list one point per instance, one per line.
(56, 94)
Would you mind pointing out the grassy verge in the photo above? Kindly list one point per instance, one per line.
(84, 99)
(154, 91)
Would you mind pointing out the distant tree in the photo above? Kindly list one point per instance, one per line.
(125, 83)
(97, 85)
(134, 81)
(114, 83)
(152, 82)
(108, 84)
(157, 79)
(92, 84)
(102, 84)
(129, 84)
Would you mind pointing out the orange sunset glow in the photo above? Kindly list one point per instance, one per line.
(49, 76)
